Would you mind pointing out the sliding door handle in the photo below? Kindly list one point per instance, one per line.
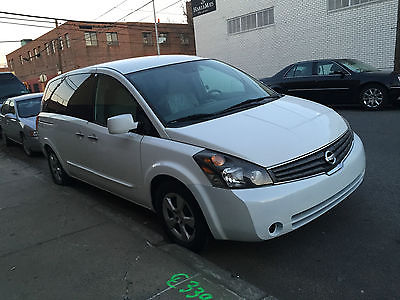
(80, 134)
(92, 137)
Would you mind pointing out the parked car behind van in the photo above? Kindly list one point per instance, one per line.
(204, 145)
(18, 121)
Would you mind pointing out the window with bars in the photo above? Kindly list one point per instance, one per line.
(163, 38)
(67, 40)
(184, 38)
(30, 55)
(60, 43)
(35, 53)
(111, 38)
(336, 4)
(91, 38)
(147, 38)
(47, 47)
(53, 46)
(251, 21)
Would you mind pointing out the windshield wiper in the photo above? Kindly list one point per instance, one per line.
(194, 117)
(250, 102)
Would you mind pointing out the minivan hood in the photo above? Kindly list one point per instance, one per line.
(268, 134)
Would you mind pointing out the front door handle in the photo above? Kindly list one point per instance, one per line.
(80, 134)
(92, 137)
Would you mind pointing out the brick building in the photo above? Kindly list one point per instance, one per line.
(74, 45)
(263, 36)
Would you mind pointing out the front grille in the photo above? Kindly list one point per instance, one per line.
(314, 163)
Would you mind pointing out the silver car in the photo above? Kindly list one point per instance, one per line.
(206, 146)
(18, 121)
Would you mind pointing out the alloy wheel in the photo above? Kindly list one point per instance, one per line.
(55, 167)
(372, 97)
(179, 217)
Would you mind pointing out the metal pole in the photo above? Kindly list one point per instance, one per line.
(397, 47)
(155, 26)
(58, 49)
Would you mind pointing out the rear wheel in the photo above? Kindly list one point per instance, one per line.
(373, 97)
(56, 169)
(181, 216)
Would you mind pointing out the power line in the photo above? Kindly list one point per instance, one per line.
(135, 10)
(23, 19)
(111, 9)
(162, 9)
(31, 25)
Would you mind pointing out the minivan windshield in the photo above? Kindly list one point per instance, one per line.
(357, 66)
(10, 86)
(29, 108)
(191, 92)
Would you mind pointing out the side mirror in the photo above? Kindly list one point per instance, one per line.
(121, 124)
(10, 116)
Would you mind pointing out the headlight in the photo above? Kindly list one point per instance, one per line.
(225, 171)
(398, 77)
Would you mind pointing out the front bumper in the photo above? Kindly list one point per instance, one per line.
(247, 214)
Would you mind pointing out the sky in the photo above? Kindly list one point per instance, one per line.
(87, 10)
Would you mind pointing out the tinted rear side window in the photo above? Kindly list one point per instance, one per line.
(74, 96)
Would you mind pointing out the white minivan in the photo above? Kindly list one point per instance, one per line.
(206, 146)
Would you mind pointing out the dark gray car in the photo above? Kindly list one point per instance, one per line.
(18, 121)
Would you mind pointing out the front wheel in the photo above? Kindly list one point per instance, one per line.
(60, 177)
(373, 97)
(181, 216)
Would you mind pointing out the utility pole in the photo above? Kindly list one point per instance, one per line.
(397, 49)
(59, 49)
(155, 26)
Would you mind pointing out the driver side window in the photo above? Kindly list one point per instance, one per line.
(112, 99)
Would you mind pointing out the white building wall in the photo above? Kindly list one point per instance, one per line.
(303, 30)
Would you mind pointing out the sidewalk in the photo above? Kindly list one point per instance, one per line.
(59, 243)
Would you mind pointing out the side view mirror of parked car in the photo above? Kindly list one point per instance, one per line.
(121, 124)
(10, 116)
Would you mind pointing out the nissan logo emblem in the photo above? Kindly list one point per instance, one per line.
(330, 157)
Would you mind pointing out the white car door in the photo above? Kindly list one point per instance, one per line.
(114, 159)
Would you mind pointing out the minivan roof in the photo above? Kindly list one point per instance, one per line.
(135, 64)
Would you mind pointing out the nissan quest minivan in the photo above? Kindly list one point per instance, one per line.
(206, 146)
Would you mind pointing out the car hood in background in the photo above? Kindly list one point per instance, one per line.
(268, 134)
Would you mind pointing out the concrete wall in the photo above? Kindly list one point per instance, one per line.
(303, 30)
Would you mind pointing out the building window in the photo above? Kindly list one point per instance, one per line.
(147, 38)
(21, 60)
(30, 55)
(67, 40)
(60, 43)
(38, 52)
(183, 37)
(53, 46)
(47, 47)
(336, 4)
(91, 38)
(162, 38)
(111, 38)
(251, 21)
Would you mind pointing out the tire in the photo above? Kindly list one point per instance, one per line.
(373, 97)
(26, 148)
(58, 174)
(181, 216)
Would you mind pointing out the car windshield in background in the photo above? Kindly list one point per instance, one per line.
(29, 108)
(10, 86)
(191, 92)
(357, 66)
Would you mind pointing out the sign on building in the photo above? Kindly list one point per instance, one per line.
(201, 7)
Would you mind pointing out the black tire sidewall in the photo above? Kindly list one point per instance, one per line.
(202, 233)
(27, 151)
(65, 179)
(376, 86)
